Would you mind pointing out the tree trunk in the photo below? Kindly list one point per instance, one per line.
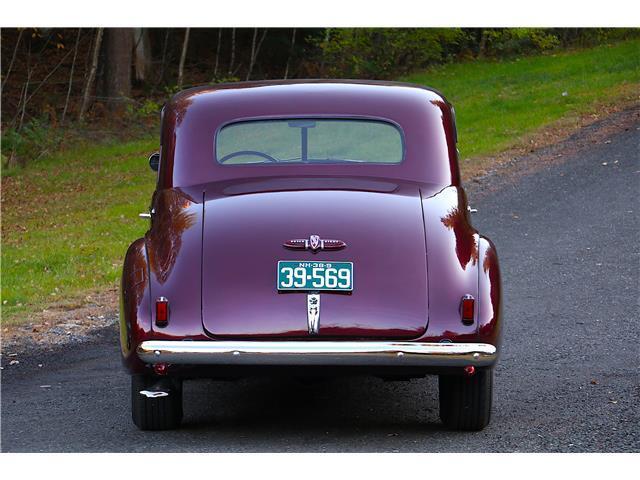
(141, 53)
(117, 71)
(92, 73)
(233, 52)
(253, 52)
(483, 43)
(13, 57)
(255, 49)
(327, 36)
(73, 66)
(14, 161)
(163, 61)
(183, 56)
(293, 43)
(25, 99)
(215, 68)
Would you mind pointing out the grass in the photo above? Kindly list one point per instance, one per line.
(67, 221)
(497, 103)
(68, 218)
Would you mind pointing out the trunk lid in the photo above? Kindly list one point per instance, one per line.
(243, 240)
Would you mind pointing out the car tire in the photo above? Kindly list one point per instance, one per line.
(158, 413)
(465, 401)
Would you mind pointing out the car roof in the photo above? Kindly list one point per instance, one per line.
(289, 86)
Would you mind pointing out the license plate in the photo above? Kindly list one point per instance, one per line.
(304, 275)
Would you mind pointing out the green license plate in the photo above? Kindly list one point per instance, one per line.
(304, 275)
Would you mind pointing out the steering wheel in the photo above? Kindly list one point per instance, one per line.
(266, 156)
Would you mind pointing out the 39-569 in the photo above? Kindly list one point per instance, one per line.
(315, 277)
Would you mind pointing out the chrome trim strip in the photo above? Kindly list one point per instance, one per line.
(317, 353)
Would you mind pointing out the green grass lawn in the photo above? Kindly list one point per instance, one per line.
(67, 221)
(68, 218)
(498, 102)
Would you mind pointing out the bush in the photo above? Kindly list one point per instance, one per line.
(33, 140)
(384, 52)
(513, 41)
(387, 53)
(586, 37)
(148, 108)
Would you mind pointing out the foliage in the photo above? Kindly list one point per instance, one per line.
(584, 37)
(35, 139)
(227, 79)
(389, 52)
(385, 52)
(147, 109)
(509, 41)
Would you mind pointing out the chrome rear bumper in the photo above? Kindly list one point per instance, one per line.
(317, 353)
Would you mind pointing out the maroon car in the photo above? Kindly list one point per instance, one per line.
(310, 228)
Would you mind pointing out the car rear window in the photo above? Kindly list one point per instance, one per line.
(309, 140)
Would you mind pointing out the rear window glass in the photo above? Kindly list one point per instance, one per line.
(295, 141)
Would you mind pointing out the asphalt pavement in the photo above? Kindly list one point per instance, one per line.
(568, 379)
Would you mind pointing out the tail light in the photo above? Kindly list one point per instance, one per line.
(160, 368)
(162, 312)
(467, 309)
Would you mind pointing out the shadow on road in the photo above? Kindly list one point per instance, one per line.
(286, 406)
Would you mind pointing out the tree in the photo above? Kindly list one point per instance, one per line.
(92, 72)
(183, 56)
(255, 49)
(117, 68)
(215, 68)
(73, 66)
(233, 52)
(141, 53)
(13, 58)
(293, 43)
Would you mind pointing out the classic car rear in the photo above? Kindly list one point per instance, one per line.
(310, 228)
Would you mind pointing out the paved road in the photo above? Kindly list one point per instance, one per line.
(568, 378)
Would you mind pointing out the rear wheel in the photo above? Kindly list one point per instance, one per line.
(160, 406)
(465, 402)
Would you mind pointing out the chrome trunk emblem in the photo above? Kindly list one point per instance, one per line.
(313, 313)
(314, 243)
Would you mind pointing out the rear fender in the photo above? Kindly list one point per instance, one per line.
(174, 246)
(452, 264)
(489, 294)
(135, 304)
(165, 263)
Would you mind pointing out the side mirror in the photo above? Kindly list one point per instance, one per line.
(154, 161)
